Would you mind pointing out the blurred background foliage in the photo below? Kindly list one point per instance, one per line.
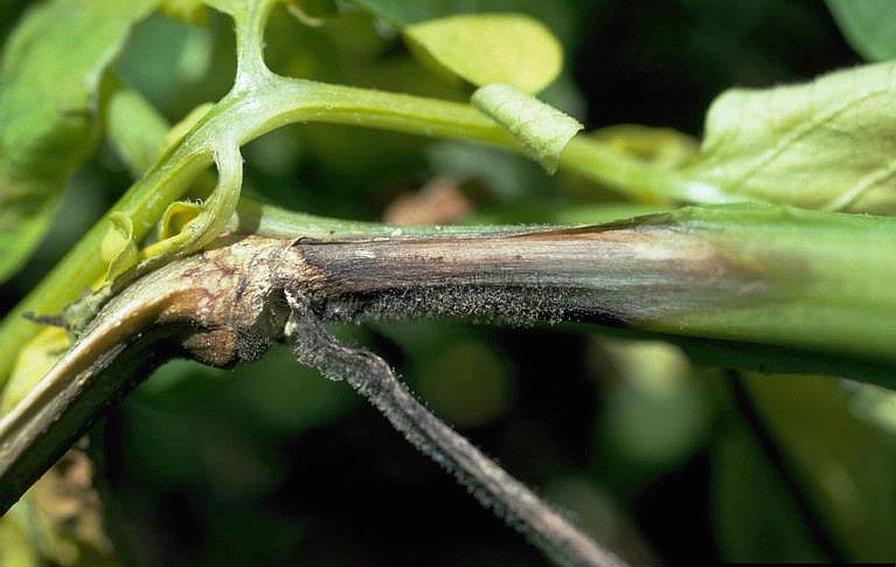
(271, 464)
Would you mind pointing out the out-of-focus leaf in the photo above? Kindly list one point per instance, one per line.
(755, 519)
(65, 507)
(49, 83)
(135, 130)
(876, 405)
(16, 549)
(827, 144)
(33, 362)
(663, 147)
(186, 10)
(466, 382)
(869, 26)
(512, 49)
(542, 129)
(657, 415)
(403, 12)
(845, 460)
(312, 12)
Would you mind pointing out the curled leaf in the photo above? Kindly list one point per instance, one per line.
(482, 49)
(826, 144)
(176, 218)
(543, 130)
(118, 248)
(187, 227)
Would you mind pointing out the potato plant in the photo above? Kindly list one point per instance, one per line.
(761, 252)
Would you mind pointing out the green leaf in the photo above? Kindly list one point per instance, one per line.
(747, 531)
(844, 460)
(50, 77)
(827, 144)
(542, 129)
(513, 49)
(869, 26)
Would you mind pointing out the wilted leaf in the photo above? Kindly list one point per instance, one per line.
(542, 129)
(482, 49)
(827, 144)
(49, 82)
(869, 26)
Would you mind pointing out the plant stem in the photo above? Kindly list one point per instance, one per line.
(251, 111)
(495, 489)
(802, 281)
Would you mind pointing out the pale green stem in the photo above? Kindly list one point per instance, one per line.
(256, 107)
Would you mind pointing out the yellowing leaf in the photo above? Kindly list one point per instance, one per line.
(542, 129)
(827, 144)
(482, 49)
(18, 549)
(38, 356)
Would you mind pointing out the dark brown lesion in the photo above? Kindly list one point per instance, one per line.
(228, 304)
(617, 274)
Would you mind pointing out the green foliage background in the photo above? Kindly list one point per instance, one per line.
(271, 464)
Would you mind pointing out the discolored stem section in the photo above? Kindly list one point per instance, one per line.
(814, 284)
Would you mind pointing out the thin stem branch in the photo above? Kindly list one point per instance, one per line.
(495, 489)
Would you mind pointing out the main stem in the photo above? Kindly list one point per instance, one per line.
(252, 110)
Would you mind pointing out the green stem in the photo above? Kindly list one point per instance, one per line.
(247, 113)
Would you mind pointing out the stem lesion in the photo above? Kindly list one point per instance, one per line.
(261, 101)
(226, 305)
